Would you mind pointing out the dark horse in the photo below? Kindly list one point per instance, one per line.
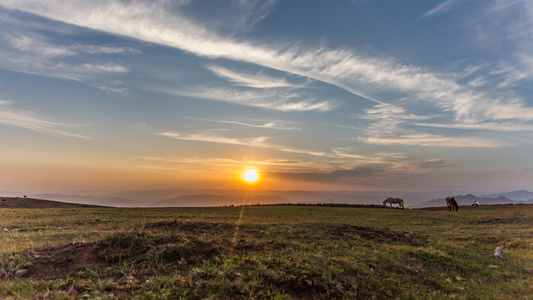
(452, 204)
(391, 201)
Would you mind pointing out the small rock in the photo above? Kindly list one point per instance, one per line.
(27, 265)
(498, 253)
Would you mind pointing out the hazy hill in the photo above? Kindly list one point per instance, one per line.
(218, 200)
(87, 199)
(468, 200)
(521, 195)
(18, 202)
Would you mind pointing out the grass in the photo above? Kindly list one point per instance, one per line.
(266, 252)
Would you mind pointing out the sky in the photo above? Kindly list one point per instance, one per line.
(410, 95)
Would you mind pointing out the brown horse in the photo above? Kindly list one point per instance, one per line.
(452, 204)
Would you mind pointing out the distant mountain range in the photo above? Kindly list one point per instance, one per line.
(219, 200)
(189, 198)
(521, 195)
(470, 199)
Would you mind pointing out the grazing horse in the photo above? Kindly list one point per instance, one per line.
(391, 201)
(452, 204)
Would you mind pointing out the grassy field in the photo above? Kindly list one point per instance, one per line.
(266, 252)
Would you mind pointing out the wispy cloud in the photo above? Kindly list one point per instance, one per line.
(24, 119)
(38, 45)
(385, 170)
(385, 117)
(220, 161)
(200, 137)
(278, 125)
(445, 6)
(113, 90)
(257, 80)
(261, 142)
(34, 53)
(269, 99)
(500, 126)
(201, 164)
(104, 68)
(347, 152)
(333, 175)
(504, 22)
(430, 140)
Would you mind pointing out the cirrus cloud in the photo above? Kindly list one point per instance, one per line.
(25, 119)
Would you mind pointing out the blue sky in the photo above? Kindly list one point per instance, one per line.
(356, 95)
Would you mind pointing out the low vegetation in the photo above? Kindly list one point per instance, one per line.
(266, 252)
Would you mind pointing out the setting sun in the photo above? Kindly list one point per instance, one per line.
(250, 176)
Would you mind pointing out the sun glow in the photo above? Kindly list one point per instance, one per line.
(250, 176)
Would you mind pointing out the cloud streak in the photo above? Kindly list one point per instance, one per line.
(445, 6)
(261, 142)
(258, 80)
(269, 99)
(25, 119)
(430, 140)
(375, 171)
(201, 137)
(34, 54)
(277, 125)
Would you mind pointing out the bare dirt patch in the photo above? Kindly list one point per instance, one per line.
(60, 261)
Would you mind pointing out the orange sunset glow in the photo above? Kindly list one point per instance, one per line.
(250, 176)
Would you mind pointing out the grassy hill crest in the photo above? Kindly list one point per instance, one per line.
(25, 202)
